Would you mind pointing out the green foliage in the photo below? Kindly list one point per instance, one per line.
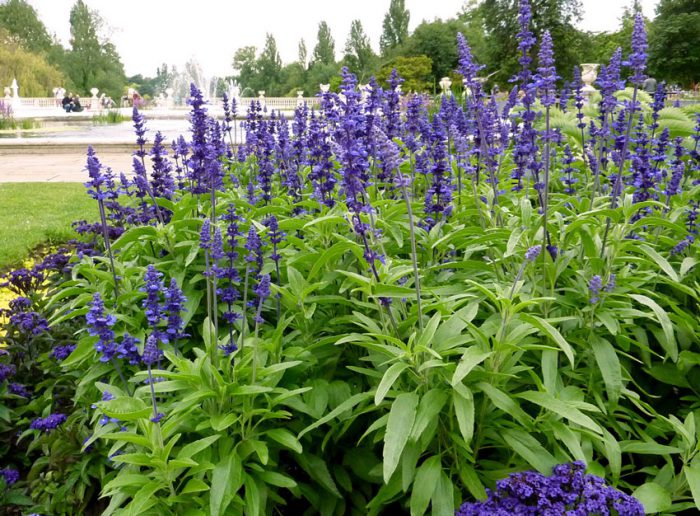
(416, 72)
(36, 77)
(501, 26)
(394, 26)
(673, 40)
(93, 61)
(437, 41)
(359, 56)
(20, 20)
(324, 51)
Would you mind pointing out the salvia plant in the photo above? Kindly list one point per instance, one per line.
(391, 304)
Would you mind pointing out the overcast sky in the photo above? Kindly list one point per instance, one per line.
(148, 33)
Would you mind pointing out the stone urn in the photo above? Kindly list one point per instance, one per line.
(589, 73)
(300, 98)
(94, 101)
(325, 88)
(445, 84)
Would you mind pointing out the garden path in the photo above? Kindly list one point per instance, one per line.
(20, 167)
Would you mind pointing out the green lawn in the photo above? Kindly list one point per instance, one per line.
(35, 213)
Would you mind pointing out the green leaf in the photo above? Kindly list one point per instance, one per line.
(645, 448)
(193, 448)
(443, 496)
(277, 479)
(669, 343)
(285, 438)
(401, 418)
(144, 499)
(464, 411)
(659, 260)
(253, 502)
(318, 470)
(125, 408)
(427, 477)
(430, 406)
(226, 480)
(609, 365)
(388, 380)
(472, 357)
(530, 449)
(550, 331)
(654, 497)
(549, 402)
(194, 485)
(346, 405)
(504, 402)
(692, 476)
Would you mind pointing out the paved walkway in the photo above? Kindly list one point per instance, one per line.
(64, 167)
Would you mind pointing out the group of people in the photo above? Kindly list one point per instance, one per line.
(71, 104)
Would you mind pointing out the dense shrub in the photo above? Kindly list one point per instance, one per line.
(374, 310)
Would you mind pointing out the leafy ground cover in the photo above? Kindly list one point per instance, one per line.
(370, 310)
(38, 213)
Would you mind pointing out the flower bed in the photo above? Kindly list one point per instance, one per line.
(367, 310)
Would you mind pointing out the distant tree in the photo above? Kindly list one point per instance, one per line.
(558, 16)
(35, 76)
(294, 76)
(324, 51)
(415, 71)
(359, 56)
(93, 60)
(21, 21)
(602, 45)
(318, 74)
(394, 26)
(674, 41)
(245, 67)
(303, 55)
(269, 66)
(438, 41)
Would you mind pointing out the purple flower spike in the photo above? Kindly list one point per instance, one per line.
(532, 253)
(638, 58)
(100, 325)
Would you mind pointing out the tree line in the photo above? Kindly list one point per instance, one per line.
(422, 56)
(40, 63)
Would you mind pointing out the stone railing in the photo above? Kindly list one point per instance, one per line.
(276, 103)
(47, 102)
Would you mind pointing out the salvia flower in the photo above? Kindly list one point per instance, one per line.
(48, 423)
(173, 306)
(128, 350)
(151, 304)
(546, 73)
(638, 58)
(532, 253)
(100, 325)
(595, 285)
(567, 491)
(151, 352)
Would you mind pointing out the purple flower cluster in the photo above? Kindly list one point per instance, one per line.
(48, 423)
(567, 491)
(10, 475)
(61, 352)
